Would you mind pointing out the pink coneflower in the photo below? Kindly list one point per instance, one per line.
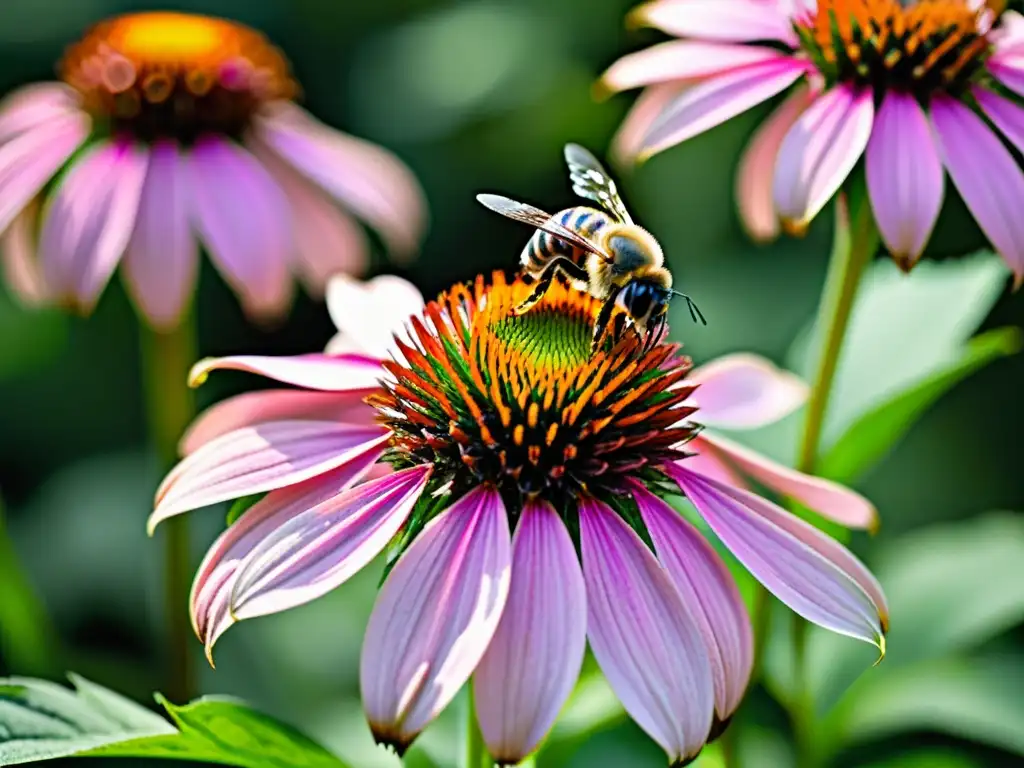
(521, 484)
(172, 129)
(912, 86)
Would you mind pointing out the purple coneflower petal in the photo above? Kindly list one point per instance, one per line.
(743, 391)
(372, 313)
(257, 459)
(162, 258)
(370, 181)
(646, 642)
(254, 408)
(242, 215)
(1006, 114)
(754, 178)
(18, 252)
(739, 21)
(830, 500)
(986, 175)
(819, 152)
(1010, 72)
(435, 616)
(89, 221)
(327, 240)
(322, 547)
(628, 139)
(814, 575)
(31, 159)
(34, 106)
(716, 100)
(332, 373)
(705, 460)
(709, 592)
(904, 175)
(532, 663)
(679, 60)
(210, 600)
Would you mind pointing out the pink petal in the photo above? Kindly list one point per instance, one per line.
(740, 21)
(18, 251)
(333, 373)
(262, 458)
(435, 616)
(830, 500)
(628, 140)
(645, 640)
(371, 181)
(242, 215)
(29, 161)
(90, 220)
(707, 461)
(322, 547)
(327, 239)
(820, 150)
(744, 391)
(532, 663)
(757, 166)
(814, 575)
(681, 60)
(210, 601)
(709, 592)
(161, 262)
(904, 175)
(34, 106)
(1009, 35)
(1010, 72)
(985, 174)
(1008, 115)
(716, 100)
(372, 313)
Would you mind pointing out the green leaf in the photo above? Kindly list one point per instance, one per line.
(240, 506)
(875, 432)
(927, 758)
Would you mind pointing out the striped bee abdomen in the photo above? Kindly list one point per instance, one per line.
(542, 247)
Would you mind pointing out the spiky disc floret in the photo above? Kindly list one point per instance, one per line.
(520, 402)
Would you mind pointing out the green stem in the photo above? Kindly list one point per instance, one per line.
(170, 406)
(28, 641)
(476, 751)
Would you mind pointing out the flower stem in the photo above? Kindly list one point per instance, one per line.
(28, 641)
(170, 406)
(476, 751)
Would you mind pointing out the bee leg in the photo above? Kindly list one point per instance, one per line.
(602, 321)
(561, 264)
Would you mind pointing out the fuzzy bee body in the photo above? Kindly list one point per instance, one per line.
(543, 247)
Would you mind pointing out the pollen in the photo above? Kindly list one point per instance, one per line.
(163, 75)
(522, 403)
(924, 47)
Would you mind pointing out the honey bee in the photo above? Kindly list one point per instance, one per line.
(599, 251)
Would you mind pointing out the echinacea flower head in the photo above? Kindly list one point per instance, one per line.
(520, 480)
(916, 88)
(170, 130)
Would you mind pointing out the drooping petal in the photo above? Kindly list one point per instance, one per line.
(372, 313)
(327, 240)
(706, 461)
(1006, 114)
(740, 21)
(257, 459)
(34, 106)
(716, 100)
(644, 639)
(20, 265)
(30, 159)
(743, 391)
(322, 547)
(904, 175)
(754, 193)
(210, 600)
(532, 663)
(830, 500)
(332, 373)
(819, 152)
(242, 215)
(260, 407)
(679, 60)
(709, 592)
(88, 223)
(808, 571)
(161, 262)
(370, 181)
(435, 616)
(628, 139)
(986, 175)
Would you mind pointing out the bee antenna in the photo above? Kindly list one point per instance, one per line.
(695, 312)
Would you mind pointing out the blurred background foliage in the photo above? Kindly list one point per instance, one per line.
(480, 95)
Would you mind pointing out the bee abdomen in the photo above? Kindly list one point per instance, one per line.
(543, 247)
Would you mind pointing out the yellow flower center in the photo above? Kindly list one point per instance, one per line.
(175, 75)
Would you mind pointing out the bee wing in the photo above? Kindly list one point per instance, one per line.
(591, 180)
(537, 218)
